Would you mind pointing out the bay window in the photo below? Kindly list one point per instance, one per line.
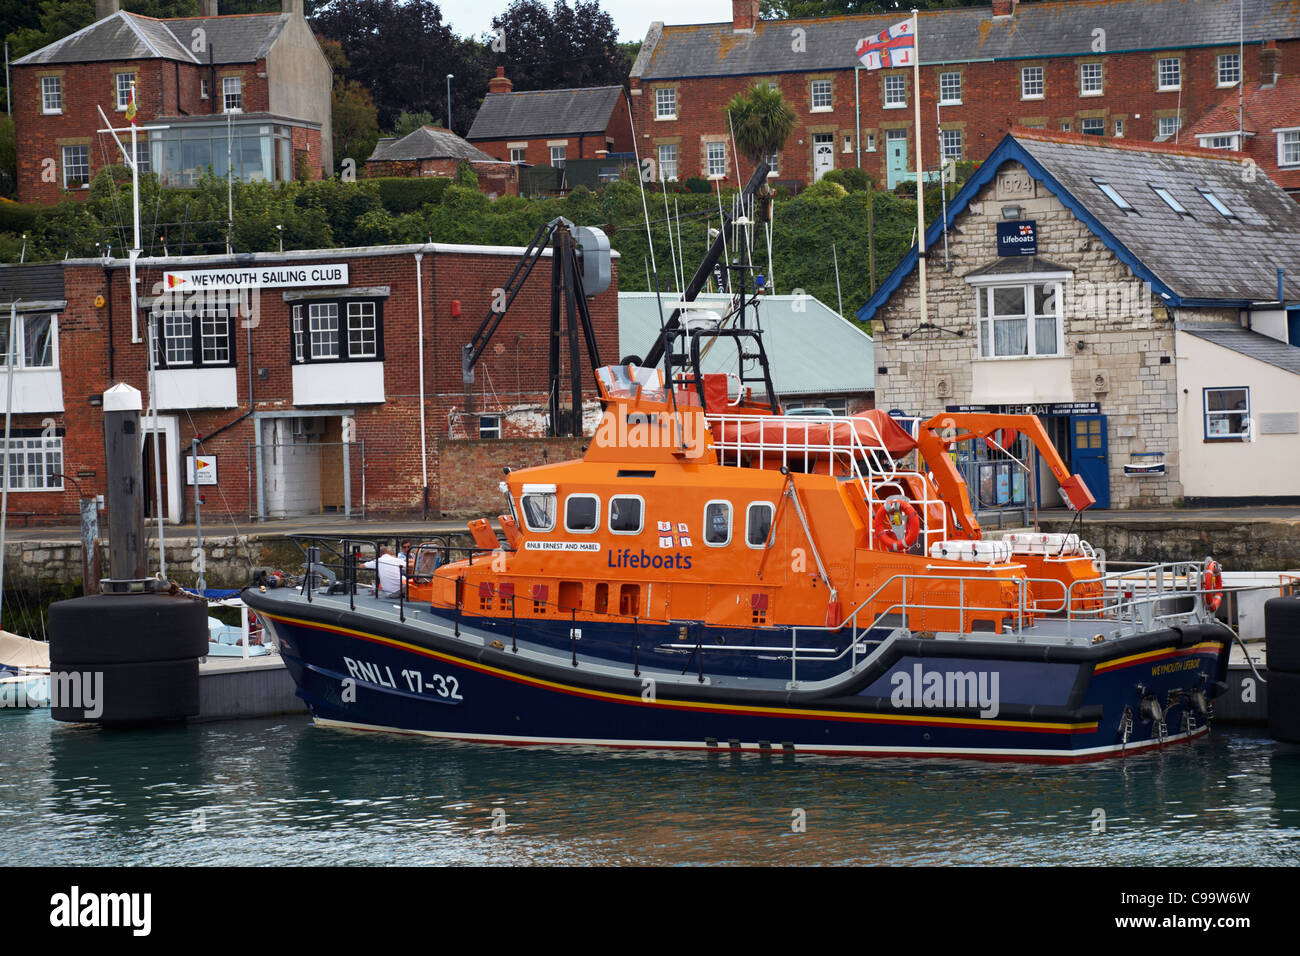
(337, 330)
(194, 339)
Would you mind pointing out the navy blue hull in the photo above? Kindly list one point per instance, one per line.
(1076, 704)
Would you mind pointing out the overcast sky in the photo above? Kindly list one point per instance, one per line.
(632, 17)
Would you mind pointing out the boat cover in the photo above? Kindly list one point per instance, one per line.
(875, 429)
(18, 651)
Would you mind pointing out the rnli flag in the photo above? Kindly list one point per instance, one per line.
(890, 48)
(130, 106)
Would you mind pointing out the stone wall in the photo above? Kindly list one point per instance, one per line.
(1237, 545)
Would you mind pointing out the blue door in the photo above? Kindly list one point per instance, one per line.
(896, 157)
(1293, 325)
(1088, 456)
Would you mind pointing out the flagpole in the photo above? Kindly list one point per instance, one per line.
(920, 167)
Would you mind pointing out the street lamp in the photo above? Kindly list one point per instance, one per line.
(450, 77)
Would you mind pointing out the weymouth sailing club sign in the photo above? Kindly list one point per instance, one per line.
(270, 277)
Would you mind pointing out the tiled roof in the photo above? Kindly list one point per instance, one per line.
(1262, 348)
(428, 142)
(242, 38)
(960, 34)
(812, 349)
(1201, 258)
(1263, 110)
(545, 113)
(1017, 265)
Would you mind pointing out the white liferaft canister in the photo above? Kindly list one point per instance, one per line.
(1054, 545)
(976, 552)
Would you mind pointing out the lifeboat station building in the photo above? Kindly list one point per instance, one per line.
(316, 381)
(1142, 298)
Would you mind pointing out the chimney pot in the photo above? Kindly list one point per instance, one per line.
(105, 8)
(500, 83)
(1004, 8)
(208, 8)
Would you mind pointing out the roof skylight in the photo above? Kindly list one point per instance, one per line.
(1169, 199)
(1112, 195)
(1217, 203)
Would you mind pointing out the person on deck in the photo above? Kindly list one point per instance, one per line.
(389, 569)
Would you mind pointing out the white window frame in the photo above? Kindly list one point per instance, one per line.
(595, 525)
(539, 493)
(558, 155)
(1227, 62)
(1085, 74)
(1028, 82)
(895, 91)
(51, 95)
(237, 95)
(1177, 122)
(123, 93)
(489, 431)
(1288, 137)
(721, 158)
(666, 103)
(319, 323)
(20, 359)
(26, 447)
(1162, 72)
(731, 514)
(774, 163)
(296, 332)
(945, 96)
(204, 92)
(1086, 121)
(668, 164)
(816, 93)
(363, 322)
(1118, 126)
(63, 154)
(214, 337)
(185, 339)
(985, 318)
(517, 154)
(870, 145)
(948, 151)
(1226, 141)
(637, 498)
(771, 538)
(1207, 434)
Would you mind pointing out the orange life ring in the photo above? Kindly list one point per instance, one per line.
(1212, 584)
(884, 528)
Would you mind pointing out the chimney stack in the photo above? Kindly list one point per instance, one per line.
(291, 6)
(500, 83)
(1004, 8)
(744, 15)
(208, 8)
(1270, 63)
(105, 8)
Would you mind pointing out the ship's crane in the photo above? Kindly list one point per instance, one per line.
(580, 268)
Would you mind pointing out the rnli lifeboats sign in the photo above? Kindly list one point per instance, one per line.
(1018, 238)
(267, 277)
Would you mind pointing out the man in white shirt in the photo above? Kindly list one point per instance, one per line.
(389, 571)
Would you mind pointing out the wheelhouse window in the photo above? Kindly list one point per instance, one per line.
(37, 338)
(758, 523)
(581, 513)
(51, 94)
(338, 330)
(186, 340)
(717, 524)
(32, 462)
(626, 514)
(538, 509)
(1019, 320)
(1227, 414)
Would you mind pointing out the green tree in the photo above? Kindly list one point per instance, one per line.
(409, 122)
(761, 121)
(356, 124)
(8, 157)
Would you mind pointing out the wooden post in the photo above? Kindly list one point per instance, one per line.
(122, 448)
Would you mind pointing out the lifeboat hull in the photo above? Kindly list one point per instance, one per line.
(1077, 704)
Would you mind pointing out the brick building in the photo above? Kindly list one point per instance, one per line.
(430, 151)
(1142, 298)
(550, 127)
(1116, 68)
(1270, 115)
(304, 385)
(253, 87)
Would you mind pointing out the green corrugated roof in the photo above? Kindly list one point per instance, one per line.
(811, 352)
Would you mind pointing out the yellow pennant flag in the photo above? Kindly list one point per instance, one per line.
(130, 105)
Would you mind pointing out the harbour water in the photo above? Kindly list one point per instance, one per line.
(282, 791)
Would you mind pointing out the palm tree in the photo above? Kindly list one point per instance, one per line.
(761, 120)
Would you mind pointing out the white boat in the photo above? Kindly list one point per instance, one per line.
(24, 672)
